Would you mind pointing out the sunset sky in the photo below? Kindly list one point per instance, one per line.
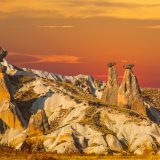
(80, 36)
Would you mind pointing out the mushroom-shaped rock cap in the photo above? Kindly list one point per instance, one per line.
(111, 64)
(3, 69)
(2, 54)
(128, 66)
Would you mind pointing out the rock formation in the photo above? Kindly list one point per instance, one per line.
(129, 94)
(111, 91)
(9, 112)
(38, 123)
(2, 54)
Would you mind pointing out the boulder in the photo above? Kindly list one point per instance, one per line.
(140, 138)
(13, 138)
(66, 147)
(97, 141)
(113, 143)
(143, 145)
(101, 149)
(63, 143)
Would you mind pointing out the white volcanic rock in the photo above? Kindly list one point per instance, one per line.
(98, 140)
(145, 145)
(64, 143)
(138, 137)
(101, 149)
(155, 132)
(40, 87)
(86, 80)
(14, 138)
(113, 143)
(66, 147)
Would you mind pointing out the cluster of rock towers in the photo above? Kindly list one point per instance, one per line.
(127, 94)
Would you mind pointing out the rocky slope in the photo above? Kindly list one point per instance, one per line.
(65, 114)
(152, 95)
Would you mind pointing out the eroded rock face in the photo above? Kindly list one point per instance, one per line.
(38, 124)
(13, 138)
(110, 93)
(129, 94)
(9, 112)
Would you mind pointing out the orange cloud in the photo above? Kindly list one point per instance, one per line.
(151, 27)
(47, 58)
(55, 26)
(131, 9)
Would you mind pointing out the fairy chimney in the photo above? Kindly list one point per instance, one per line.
(129, 94)
(110, 93)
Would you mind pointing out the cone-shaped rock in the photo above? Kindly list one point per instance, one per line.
(129, 94)
(110, 93)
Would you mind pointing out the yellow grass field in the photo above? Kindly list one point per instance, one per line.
(10, 155)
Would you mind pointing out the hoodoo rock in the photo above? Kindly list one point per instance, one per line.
(110, 93)
(129, 93)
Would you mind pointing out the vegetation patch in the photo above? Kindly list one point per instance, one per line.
(152, 95)
(20, 80)
(93, 119)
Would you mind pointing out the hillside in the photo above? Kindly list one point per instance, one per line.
(152, 95)
(47, 112)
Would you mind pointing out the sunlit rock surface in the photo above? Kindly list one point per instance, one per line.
(110, 93)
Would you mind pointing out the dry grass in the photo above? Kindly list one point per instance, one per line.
(152, 95)
(7, 153)
(93, 119)
(50, 156)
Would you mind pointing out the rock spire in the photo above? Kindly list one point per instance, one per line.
(129, 89)
(129, 93)
(111, 91)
